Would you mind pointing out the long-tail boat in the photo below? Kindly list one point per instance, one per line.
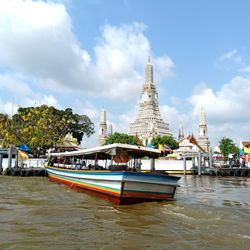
(118, 182)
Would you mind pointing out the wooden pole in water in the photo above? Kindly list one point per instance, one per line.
(210, 158)
(1, 160)
(16, 157)
(185, 164)
(193, 160)
(199, 164)
(10, 157)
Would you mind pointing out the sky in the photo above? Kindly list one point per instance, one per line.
(91, 54)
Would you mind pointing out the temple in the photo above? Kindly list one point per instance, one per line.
(181, 132)
(103, 133)
(203, 135)
(149, 122)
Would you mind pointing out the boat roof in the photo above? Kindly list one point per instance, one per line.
(107, 151)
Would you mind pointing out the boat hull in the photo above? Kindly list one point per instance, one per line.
(123, 187)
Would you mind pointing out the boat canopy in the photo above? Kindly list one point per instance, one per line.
(107, 151)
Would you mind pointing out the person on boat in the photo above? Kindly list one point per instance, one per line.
(243, 161)
(83, 165)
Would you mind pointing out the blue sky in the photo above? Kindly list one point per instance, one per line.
(91, 54)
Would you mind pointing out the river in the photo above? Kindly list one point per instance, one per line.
(209, 213)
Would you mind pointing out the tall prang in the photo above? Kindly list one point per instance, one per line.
(149, 122)
(203, 140)
(181, 132)
(102, 128)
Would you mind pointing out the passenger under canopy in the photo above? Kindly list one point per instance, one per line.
(112, 150)
(117, 154)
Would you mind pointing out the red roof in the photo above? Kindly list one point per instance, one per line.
(245, 143)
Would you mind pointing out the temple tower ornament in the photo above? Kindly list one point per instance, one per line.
(181, 133)
(203, 140)
(149, 122)
(102, 128)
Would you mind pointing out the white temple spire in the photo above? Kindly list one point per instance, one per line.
(149, 122)
(203, 135)
(181, 132)
(202, 117)
(102, 127)
(149, 77)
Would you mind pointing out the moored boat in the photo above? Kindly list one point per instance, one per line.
(120, 183)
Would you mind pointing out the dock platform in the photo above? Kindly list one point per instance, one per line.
(223, 171)
(25, 172)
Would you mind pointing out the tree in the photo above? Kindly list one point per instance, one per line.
(165, 140)
(39, 127)
(77, 125)
(7, 130)
(121, 138)
(227, 147)
(43, 127)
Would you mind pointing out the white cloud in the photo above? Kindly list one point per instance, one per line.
(200, 87)
(22, 93)
(120, 55)
(228, 104)
(87, 108)
(230, 60)
(9, 108)
(172, 116)
(238, 60)
(49, 100)
(14, 84)
(245, 69)
(45, 49)
(228, 55)
(43, 46)
(227, 110)
(120, 124)
(163, 66)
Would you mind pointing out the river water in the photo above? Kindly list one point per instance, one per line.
(209, 213)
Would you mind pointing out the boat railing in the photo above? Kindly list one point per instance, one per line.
(112, 167)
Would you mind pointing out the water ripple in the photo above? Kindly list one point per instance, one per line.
(209, 213)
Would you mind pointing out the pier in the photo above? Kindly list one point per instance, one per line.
(25, 172)
(203, 164)
(199, 159)
(224, 171)
(11, 166)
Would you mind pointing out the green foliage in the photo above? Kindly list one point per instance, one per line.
(227, 146)
(121, 138)
(165, 140)
(77, 125)
(43, 127)
(7, 130)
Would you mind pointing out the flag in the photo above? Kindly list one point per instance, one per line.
(138, 140)
(22, 155)
(246, 150)
(161, 148)
(167, 148)
(24, 147)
